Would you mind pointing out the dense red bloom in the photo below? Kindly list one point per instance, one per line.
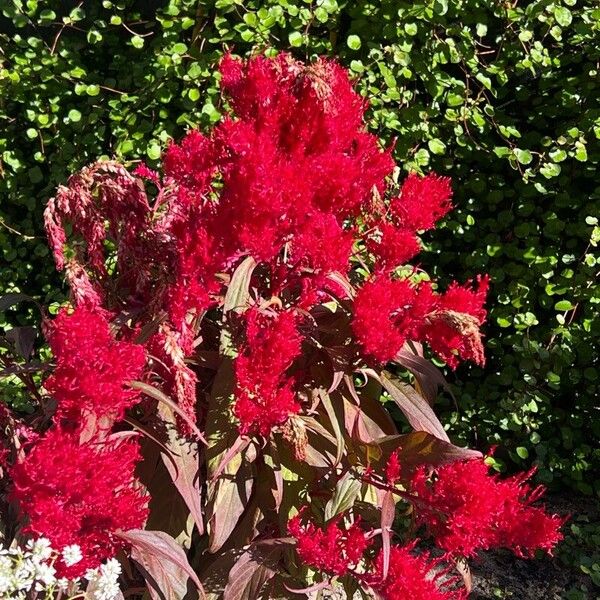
(452, 330)
(422, 201)
(411, 577)
(333, 549)
(392, 246)
(92, 368)
(264, 395)
(387, 313)
(79, 494)
(472, 510)
(192, 162)
(321, 245)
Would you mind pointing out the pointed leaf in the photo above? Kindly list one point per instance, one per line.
(388, 512)
(346, 493)
(252, 570)
(155, 393)
(421, 448)
(164, 563)
(337, 430)
(428, 376)
(23, 339)
(229, 493)
(238, 290)
(416, 409)
(8, 300)
(182, 463)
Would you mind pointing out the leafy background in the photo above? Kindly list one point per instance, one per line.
(501, 96)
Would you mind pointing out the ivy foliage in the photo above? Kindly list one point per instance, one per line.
(501, 96)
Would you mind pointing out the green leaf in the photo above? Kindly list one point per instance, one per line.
(321, 14)
(522, 452)
(436, 146)
(353, 42)
(563, 305)
(523, 156)
(563, 16)
(345, 494)
(580, 152)
(74, 115)
(411, 28)
(295, 39)
(137, 41)
(153, 151)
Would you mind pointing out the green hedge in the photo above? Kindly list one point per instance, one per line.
(505, 100)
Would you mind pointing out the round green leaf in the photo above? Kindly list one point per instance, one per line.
(295, 39)
(563, 16)
(436, 146)
(353, 42)
(153, 151)
(74, 115)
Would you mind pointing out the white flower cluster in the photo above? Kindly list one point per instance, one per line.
(32, 570)
(24, 570)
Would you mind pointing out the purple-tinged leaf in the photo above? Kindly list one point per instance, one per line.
(415, 408)
(12, 298)
(388, 512)
(428, 376)
(253, 569)
(163, 562)
(240, 444)
(155, 393)
(183, 464)
(337, 430)
(421, 448)
(23, 340)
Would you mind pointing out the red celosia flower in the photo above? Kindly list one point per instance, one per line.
(263, 395)
(392, 246)
(411, 576)
(192, 162)
(471, 510)
(422, 201)
(333, 549)
(387, 313)
(92, 368)
(452, 330)
(79, 494)
(393, 468)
